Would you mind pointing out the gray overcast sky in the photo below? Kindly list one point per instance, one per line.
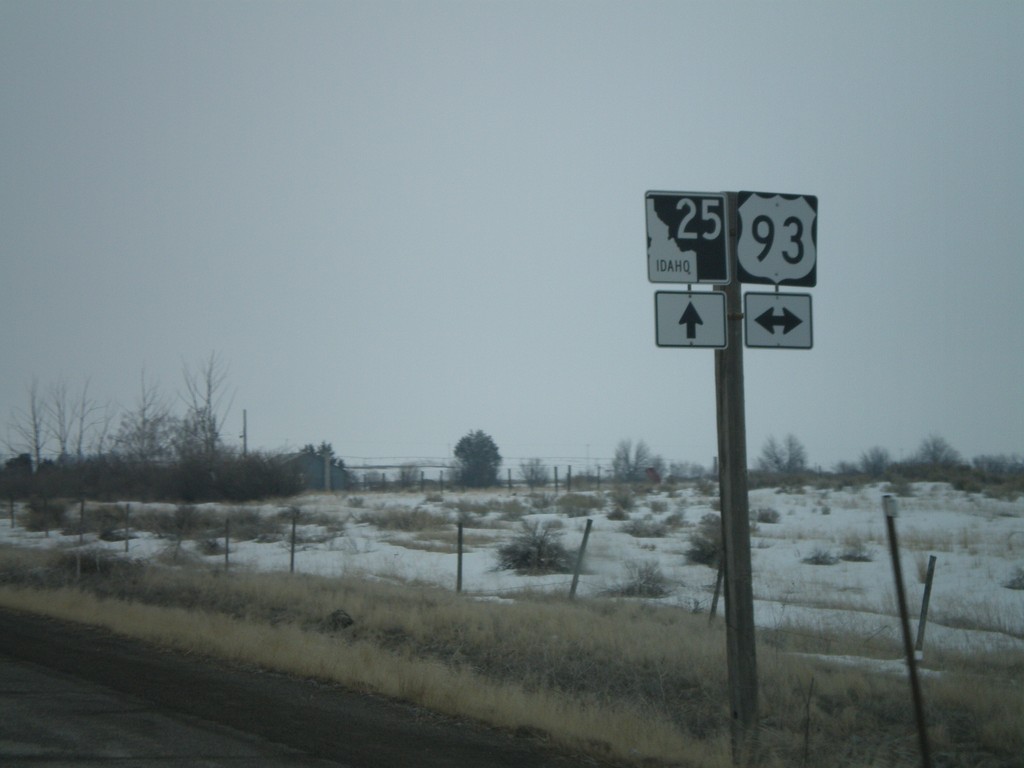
(396, 222)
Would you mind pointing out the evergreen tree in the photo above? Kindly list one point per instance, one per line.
(477, 460)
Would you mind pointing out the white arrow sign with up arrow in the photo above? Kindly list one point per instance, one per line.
(685, 319)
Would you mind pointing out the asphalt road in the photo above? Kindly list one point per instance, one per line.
(73, 695)
(55, 720)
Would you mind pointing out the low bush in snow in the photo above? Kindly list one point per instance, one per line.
(579, 504)
(643, 579)
(706, 541)
(536, 549)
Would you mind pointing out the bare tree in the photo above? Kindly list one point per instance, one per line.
(206, 411)
(29, 425)
(145, 432)
(796, 455)
(773, 456)
(937, 452)
(874, 461)
(534, 473)
(92, 423)
(629, 464)
(787, 457)
(61, 416)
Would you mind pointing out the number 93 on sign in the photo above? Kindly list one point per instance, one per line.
(777, 242)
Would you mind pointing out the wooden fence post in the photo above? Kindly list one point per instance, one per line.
(919, 646)
(889, 505)
(718, 589)
(295, 520)
(579, 560)
(458, 572)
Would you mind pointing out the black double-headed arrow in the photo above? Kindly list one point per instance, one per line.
(769, 320)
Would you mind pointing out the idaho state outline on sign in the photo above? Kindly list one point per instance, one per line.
(777, 239)
(700, 258)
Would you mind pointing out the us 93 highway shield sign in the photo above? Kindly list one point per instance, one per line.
(777, 241)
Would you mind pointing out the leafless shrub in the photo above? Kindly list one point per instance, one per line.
(706, 541)
(536, 549)
(1016, 581)
(623, 500)
(821, 557)
(643, 579)
(855, 550)
(767, 515)
(648, 527)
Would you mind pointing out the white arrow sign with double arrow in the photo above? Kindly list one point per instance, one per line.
(777, 320)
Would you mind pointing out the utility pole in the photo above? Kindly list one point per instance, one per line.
(732, 468)
(245, 434)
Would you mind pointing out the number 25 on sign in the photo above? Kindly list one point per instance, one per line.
(778, 238)
(686, 237)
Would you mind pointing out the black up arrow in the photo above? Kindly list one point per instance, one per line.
(691, 320)
(787, 320)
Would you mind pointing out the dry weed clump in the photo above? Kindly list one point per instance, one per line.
(643, 579)
(580, 504)
(1016, 580)
(406, 519)
(646, 527)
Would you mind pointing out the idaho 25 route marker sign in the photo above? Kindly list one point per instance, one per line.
(689, 319)
(777, 242)
(686, 237)
(777, 320)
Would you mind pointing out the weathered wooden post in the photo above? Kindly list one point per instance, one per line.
(458, 572)
(81, 539)
(889, 505)
(732, 449)
(919, 645)
(295, 521)
(718, 588)
(579, 560)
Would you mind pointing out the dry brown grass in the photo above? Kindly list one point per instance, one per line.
(618, 679)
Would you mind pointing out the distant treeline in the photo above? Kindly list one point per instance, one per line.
(226, 477)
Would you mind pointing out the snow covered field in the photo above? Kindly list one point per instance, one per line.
(410, 536)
